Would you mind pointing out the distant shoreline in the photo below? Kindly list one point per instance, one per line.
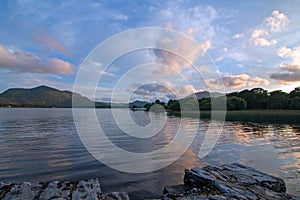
(256, 116)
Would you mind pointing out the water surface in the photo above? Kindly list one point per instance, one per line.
(43, 145)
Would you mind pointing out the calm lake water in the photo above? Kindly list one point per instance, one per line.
(43, 145)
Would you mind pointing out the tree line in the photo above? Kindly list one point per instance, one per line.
(254, 99)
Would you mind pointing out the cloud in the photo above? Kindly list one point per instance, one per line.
(290, 67)
(21, 61)
(169, 25)
(259, 32)
(236, 81)
(119, 16)
(151, 89)
(289, 71)
(286, 77)
(255, 81)
(205, 45)
(258, 38)
(163, 88)
(203, 68)
(261, 42)
(277, 21)
(219, 58)
(273, 24)
(292, 53)
(238, 35)
(197, 21)
(51, 43)
(175, 62)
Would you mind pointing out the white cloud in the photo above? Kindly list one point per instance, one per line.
(261, 42)
(175, 62)
(258, 33)
(258, 38)
(238, 35)
(277, 21)
(292, 53)
(21, 61)
(273, 24)
(205, 46)
(196, 21)
(219, 58)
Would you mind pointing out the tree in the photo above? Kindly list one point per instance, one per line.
(236, 103)
(156, 102)
(278, 100)
(173, 105)
(295, 103)
(295, 92)
(255, 98)
(204, 104)
(190, 104)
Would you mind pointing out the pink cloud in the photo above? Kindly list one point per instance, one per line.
(23, 62)
(236, 81)
(50, 42)
(289, 71)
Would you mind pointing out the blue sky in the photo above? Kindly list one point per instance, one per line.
(253, 43)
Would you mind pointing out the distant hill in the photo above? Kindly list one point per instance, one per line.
(205, 94)
(138, 104)
(44, 96)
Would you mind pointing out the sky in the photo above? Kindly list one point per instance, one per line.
(251, 43)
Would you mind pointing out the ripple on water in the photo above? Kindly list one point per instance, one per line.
(42, 145)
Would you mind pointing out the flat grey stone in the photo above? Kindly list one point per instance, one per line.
(55, 190)
(230, 181)
(197, 177)
(116, 196)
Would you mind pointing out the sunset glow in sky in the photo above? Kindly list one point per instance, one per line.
(253, 43)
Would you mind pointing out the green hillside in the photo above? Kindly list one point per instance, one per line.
(43, 96)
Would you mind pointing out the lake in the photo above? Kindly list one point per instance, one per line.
(43, 145)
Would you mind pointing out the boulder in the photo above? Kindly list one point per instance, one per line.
(230, 181)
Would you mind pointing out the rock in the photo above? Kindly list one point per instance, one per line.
(55, 190)
(177, 190)
(88, 190)
(230, 181)
(197, 177)
(116, 196)
(248, 176)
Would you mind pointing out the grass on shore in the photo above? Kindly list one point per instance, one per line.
(256, 116)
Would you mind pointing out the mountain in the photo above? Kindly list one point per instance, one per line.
(204, 94)
(138, 104)
(43, 96)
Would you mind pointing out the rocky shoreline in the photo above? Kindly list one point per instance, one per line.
(58, 190)
(230, 181)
